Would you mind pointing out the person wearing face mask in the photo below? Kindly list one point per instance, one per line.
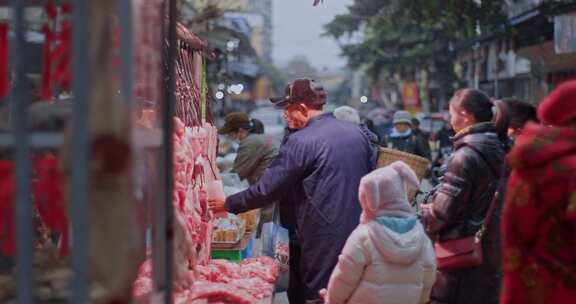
(403, 137)
(462, 202)
(255, 151)
(319, 167)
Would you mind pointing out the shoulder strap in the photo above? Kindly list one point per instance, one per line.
(492, 170)
(491, 209)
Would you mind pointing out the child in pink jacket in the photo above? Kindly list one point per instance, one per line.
(388, 258)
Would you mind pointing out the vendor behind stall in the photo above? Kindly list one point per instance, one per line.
(255, 152)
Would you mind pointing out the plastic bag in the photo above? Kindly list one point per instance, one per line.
(233, 184)
(275, 244)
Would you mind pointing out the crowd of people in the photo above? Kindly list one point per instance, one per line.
(499, 228)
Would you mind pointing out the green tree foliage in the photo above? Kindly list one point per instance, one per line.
(408, 34)
(276, 75)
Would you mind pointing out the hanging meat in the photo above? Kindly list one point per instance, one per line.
(115, 222)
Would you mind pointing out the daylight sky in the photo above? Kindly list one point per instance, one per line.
(297, 31)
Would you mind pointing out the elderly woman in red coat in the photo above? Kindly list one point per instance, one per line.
(539, 217)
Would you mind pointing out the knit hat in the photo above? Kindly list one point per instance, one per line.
(383, 192)
(233, 121)
(559, 108)
(346, 113)
(402, 117)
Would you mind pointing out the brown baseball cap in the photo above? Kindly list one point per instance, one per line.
(233, 121)
(303, 90)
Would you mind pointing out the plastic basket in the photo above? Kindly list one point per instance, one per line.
(242, 251)
(417, 163)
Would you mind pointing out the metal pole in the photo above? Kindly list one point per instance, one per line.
(169, 101)
(80, 150)
(126, 48)
(496, 87)
(24, 248)
(158, 210)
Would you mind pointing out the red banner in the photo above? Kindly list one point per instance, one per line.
(411, 96)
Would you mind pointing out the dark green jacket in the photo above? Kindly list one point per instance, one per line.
(254, 154)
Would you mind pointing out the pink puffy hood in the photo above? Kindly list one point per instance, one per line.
(384, 192)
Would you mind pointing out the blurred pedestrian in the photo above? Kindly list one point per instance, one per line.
(461, 203)
(369, 123)
(520, 113)
(403, 138)
(257, 126)
(346, 113)
(422, 136)
(388, 258)
(416, 129)
(444, 136)
(255, 152)
(539, 217)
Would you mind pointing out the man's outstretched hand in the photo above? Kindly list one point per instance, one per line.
(217, 207)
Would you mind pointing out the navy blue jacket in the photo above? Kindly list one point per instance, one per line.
(320, 167)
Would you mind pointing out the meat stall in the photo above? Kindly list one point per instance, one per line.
(107, 162)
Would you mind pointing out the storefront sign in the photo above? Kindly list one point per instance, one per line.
(411, 96)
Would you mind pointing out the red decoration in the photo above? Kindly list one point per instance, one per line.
(48, 192)
(559, 107)
(7, 192)
(411, 96)
(56, 66)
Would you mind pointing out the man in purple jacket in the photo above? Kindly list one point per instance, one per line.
(319, 166)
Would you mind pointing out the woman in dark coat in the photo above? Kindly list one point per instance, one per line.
(463, 198)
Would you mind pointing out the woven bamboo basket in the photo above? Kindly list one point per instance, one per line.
(417, 163)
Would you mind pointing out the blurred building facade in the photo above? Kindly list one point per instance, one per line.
(539, 55)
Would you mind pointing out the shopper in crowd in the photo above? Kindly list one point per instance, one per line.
(422, 136)
(346, 113)
(445, 148)
(320, 165)
(255, 152)
(416, 129)
(444, 136)
(388, 258)
(539, 217)
(257, 126)
(403, 138)
(462, 200)
(520, 113)
(369, 123)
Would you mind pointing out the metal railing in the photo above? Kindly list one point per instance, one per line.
(22, 141)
